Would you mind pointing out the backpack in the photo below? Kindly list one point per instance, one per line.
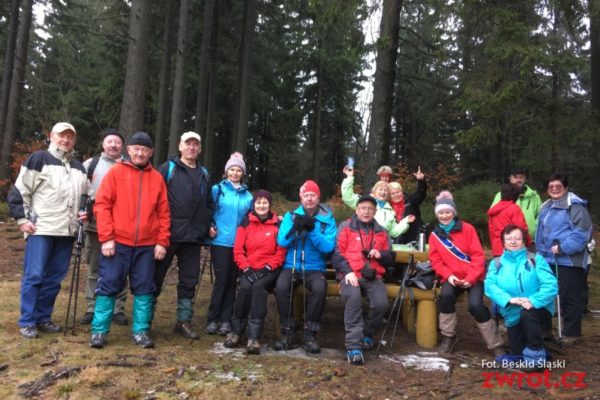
(92, 167)
(423, 277)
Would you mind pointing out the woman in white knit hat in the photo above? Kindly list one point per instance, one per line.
(457, 257)
(232, 201)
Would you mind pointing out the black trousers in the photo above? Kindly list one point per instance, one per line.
(223, 294)
(447, 301)
(188, 261)
(529, 332)
(316, 283)
(251, 300)
(571, 283)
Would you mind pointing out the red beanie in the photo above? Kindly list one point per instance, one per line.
(310, 186)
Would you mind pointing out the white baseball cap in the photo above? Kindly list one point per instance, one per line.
(190, 135)
(63, 126)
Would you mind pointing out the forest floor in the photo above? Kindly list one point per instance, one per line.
(57, 366)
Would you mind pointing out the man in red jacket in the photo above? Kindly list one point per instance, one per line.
(133, 220)
(361, 252)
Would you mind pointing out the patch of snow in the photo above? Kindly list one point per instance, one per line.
(429, 362)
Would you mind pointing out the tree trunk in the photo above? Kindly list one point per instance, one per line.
(11, 42)
(594, 10)
(318, 112)
(211, 96)
(203, 71)
(242, 112)
(179, 84)
(163, 85)
(16, 87)
(134, 91)
(383, 89)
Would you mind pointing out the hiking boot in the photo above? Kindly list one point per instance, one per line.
(28, 332)
(367, 343)
(225, 328)
(49, 327)
(120, 319)
(211, 328)
(447, 344)
(231, 340)
(286, 342)
(143, 340)
(98, 340)
(253, 346)
(185, 329)
(355, 357)
(87, 318)
(311, 345)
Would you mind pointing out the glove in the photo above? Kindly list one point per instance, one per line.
(261, 273)
(299, 224)
(249, 274)
(309, 223)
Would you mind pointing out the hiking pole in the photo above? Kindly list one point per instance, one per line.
(83, 203)
(292, 287)
(555, 242)
(403, 286)
(302, 267)
(397, 303)
(202, 268)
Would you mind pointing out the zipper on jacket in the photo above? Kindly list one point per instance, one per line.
(139, 202)
(521, 283)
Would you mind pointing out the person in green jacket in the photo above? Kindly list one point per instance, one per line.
(385, 214)
(529, 201)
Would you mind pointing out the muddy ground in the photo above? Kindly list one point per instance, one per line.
(65, 367)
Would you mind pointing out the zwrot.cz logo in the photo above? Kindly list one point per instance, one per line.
(567, 380)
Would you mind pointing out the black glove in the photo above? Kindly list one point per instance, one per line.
(299, 224)
(249, 274)
(309, 223)
(368, 273)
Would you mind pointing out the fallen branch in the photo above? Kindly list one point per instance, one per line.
(35, 387)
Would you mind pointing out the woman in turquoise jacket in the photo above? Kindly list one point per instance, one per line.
(232, 201)
(524, 287)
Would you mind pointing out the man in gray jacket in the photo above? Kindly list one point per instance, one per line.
(96, 167)
(45, 202)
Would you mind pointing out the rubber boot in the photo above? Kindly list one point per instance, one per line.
(103, 313)
(447, 323)
(142, 313)
(491, 336)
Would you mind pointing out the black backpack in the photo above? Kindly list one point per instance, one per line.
(423, 276)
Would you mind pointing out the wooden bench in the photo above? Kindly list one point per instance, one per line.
(419, 313)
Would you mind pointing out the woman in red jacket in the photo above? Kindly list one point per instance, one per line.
(457, 257)
(505, 213)
(259, 259)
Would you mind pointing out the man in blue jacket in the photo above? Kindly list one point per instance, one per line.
(309, 235)
(563, 232)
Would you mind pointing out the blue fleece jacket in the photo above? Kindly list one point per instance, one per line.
(315, 245)
(517, 277)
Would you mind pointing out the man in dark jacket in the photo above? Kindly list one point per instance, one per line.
(361, 252)
(191, 204)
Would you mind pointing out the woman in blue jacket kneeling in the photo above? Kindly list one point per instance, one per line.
(523, 285)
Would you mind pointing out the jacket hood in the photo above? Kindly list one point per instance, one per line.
(566, 201)
(323, 212)
(355, 224)
(499, 207)
(271, 218)
(227, 183)
(528, 192)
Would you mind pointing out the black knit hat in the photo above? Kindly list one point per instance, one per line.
(112, 132)
(141, 139)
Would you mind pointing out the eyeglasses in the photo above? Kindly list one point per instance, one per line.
(555, 187)
(513, 239)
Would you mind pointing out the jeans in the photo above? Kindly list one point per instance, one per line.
(46, 263)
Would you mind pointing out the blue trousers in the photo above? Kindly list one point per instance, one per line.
(46, 263)
(135, 262)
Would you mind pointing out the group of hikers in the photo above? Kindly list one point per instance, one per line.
(145, 217)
